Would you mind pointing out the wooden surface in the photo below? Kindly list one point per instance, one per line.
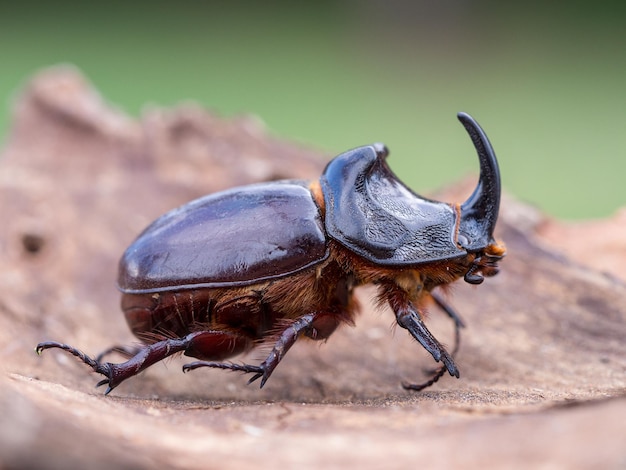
(543, 363)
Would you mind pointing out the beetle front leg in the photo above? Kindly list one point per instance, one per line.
(437, 374)
(409, 318)
(412, 321)
(287, 338)
(458, 322)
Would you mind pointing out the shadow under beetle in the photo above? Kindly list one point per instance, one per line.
(273, 262)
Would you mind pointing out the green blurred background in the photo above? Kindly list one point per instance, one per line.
(546, 80)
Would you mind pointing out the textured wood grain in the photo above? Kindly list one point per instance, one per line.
(543, 363)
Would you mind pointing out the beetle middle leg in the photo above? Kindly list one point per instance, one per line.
(302, 325)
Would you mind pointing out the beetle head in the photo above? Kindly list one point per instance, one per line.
(479, 212)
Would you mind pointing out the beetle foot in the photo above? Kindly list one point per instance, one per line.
(105, 368)
(449, 364)
(115, 373)
(146, 356)
(258, 371)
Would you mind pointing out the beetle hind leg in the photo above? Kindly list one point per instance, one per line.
(196, 344)
(97, 366)
(116, 373)
(287, 338)
(124, 351)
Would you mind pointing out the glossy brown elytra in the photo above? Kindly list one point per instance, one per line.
(276, 261)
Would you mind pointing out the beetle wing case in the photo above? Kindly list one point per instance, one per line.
(372, 213)
(235, 237)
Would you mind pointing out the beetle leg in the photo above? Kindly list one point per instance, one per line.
(116, 373)
(246, 368)
(448, 309)
(437, 374)
(125, 351)
(284, 342)
(100, 368)
(410, 319)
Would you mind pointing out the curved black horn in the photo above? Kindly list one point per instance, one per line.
(480, 212)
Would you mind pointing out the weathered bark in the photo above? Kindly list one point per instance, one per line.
(78, 180)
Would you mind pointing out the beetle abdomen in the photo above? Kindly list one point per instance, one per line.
(236, 237)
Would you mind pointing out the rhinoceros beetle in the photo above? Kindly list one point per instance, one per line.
(276, 261)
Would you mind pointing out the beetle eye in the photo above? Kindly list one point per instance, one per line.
(463, 240)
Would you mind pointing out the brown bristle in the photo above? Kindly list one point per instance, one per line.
(318, 195)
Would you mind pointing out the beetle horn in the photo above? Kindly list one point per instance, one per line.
(480, 212)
